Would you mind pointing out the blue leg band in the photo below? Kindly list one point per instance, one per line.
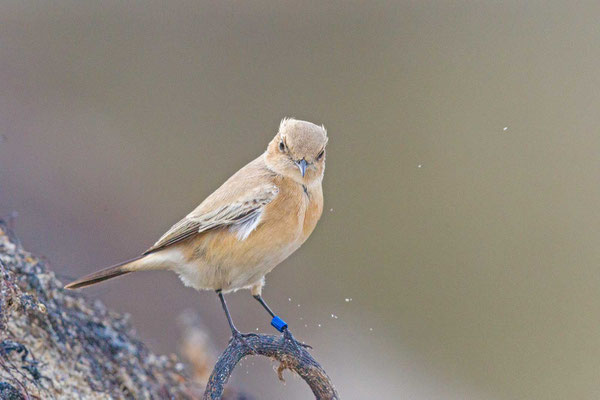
(278, 323)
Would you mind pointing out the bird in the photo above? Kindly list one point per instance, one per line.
(255, 220)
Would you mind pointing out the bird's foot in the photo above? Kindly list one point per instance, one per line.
(237, 336)
(289, 337)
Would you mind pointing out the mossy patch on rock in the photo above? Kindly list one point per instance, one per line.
(57, 344)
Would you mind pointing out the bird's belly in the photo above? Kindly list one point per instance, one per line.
(219, 260)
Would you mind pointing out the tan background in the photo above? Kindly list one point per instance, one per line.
(478, 272)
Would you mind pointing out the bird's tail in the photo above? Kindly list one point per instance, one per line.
(104, 274)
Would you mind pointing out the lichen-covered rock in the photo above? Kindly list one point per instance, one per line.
(56, 344)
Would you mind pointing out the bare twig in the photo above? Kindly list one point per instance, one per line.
(290, 353)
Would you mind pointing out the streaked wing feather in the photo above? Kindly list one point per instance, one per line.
(203, 219)
(178, 232)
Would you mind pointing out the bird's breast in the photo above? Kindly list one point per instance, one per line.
(297, 209)
(313, 206)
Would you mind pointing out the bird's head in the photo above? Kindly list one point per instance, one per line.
(298, 151)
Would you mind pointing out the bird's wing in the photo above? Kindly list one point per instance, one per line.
(235, 207)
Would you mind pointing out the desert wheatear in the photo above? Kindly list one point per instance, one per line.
(250, 224)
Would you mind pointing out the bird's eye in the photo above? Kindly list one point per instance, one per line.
(320, 154)
(281, 146)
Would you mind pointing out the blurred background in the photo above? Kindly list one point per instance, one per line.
(457, 257)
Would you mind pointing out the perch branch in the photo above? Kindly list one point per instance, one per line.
(285, 349)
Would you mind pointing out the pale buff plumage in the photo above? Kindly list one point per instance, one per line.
(249, 225)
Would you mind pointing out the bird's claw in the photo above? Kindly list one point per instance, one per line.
(237, 336)
(245, 335)
(288, 336)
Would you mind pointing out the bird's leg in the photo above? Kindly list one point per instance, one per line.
(234, 330)
(259, 298)
(278, 323)
(235, 334)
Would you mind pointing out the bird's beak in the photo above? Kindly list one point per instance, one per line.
(302, 164)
